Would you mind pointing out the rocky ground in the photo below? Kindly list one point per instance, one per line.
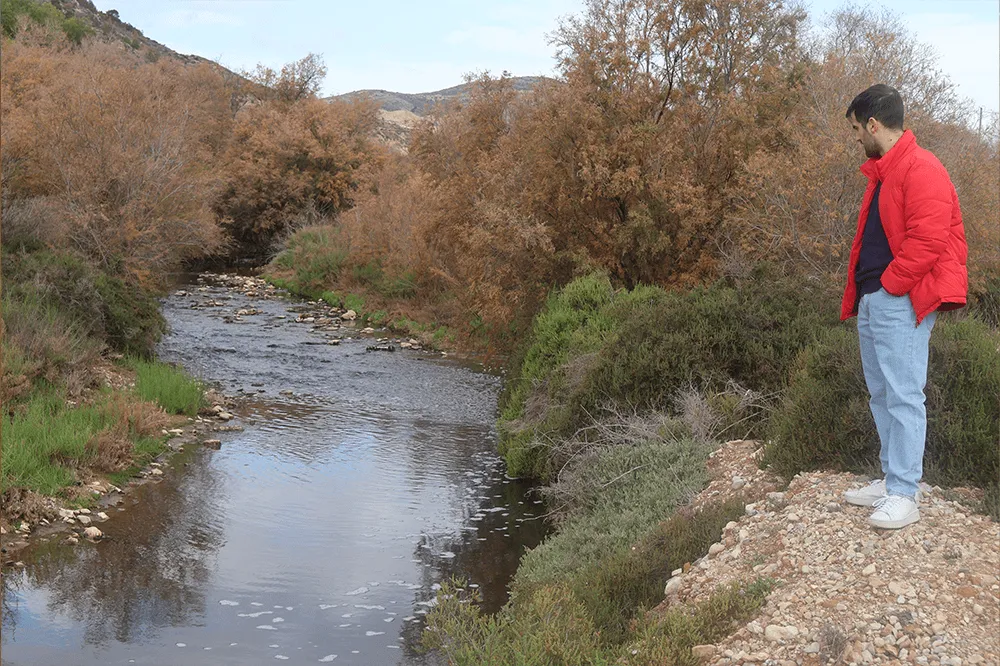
(847, 593)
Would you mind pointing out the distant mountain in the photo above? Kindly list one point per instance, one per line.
(420, 104)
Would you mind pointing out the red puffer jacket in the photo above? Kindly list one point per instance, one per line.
(919, 209)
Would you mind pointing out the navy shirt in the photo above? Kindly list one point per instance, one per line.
(875, 253)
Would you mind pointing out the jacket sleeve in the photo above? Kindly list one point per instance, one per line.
(927, 209)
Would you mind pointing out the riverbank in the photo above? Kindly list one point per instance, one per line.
(622, 401)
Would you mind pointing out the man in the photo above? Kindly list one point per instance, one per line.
(907, 262)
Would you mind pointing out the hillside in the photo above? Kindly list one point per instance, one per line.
(110, 25)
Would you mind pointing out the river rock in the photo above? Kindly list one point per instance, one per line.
(84, 520)
(224, 416)
(703, 652)
(215, 444)
(156, 471)
(93, 533)
(102, 516)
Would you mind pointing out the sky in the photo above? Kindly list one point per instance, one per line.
(408, 46)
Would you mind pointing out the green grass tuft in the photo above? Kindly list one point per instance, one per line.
(169, 387)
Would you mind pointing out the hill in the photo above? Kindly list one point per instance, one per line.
(421, 104)
(110, 26)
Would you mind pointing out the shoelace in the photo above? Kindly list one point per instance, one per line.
(888, 502)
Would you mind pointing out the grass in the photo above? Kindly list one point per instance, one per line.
(47, 440)
(169, 387)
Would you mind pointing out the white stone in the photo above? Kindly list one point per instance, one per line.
(868, 570)
(673, 586)
(350, 315)
(84, 520)
(703, 652)
(715, 549)
(156, 471)
(93, 533)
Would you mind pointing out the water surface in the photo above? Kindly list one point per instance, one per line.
(361, 481)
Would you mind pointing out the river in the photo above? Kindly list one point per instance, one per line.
(318, 534)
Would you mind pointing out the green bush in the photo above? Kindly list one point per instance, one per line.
(41, 345)
(749, 332)
(113, 309)
(667, 639)
(985, 303)
(592, 346)
(550, 628)
(619, 588)
(624, 493)
(825, 422)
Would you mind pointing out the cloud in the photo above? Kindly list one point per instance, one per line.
(186, 18)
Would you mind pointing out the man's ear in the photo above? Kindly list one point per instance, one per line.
(872, 126)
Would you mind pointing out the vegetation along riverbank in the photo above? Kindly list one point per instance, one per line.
(652, 242)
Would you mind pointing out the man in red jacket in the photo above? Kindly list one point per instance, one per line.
(908, 261)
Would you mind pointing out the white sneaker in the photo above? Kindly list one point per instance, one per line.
(893, 512)
(868, 495)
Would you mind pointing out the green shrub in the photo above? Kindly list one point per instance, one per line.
(41, 344)
(825, 422)
(354, 302)
(623, 494)
(400, 286)
(620, 587)
(667, 639)
(985, 303)
(592, 346)
(169, 387)
(550, 628)
(113, 309)
(750, 333)
(368, 274)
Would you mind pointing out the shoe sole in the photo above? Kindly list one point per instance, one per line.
(857, 501)
(895, 524)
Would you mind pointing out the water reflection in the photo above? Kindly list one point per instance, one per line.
(323, 528)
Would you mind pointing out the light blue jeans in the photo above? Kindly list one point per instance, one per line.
(894, 353)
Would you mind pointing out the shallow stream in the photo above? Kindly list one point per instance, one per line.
(317, 534)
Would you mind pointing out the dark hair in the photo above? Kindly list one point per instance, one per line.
(880, 102)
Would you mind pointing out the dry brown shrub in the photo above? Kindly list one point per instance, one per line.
(110, 450)
(122, 150)
(140, 417)
(800, 194)
(292, 164)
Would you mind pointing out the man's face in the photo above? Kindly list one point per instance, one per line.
(864, 136)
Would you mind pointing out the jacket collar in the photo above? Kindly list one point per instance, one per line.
(878, 168)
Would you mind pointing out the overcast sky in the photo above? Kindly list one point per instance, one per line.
(408, 46)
